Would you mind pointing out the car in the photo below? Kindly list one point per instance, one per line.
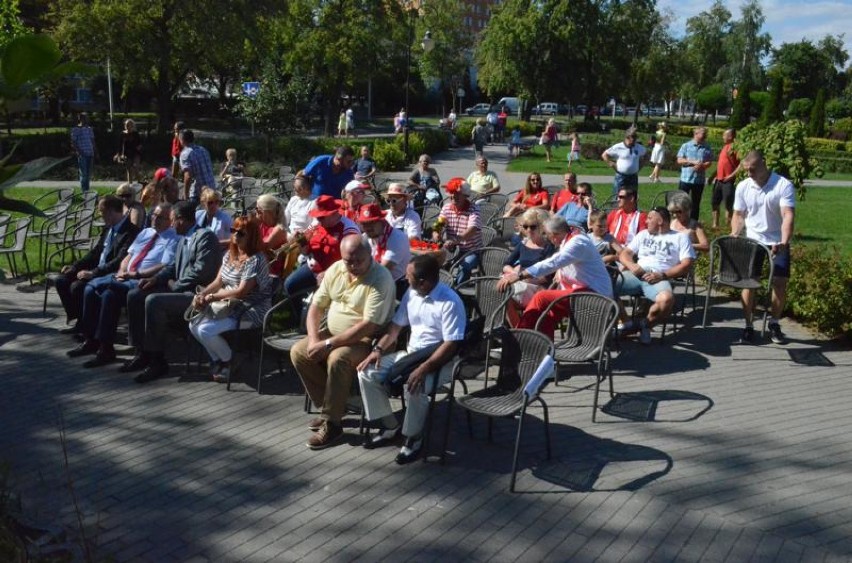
(546, 108)
(478, 109)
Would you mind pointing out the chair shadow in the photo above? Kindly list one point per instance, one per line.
(635, 360)
(645, 406)
(595, 464)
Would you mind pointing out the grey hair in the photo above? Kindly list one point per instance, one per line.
(556, 224)
(268, 202)
(680, 201)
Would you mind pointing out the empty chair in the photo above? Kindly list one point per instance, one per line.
(534, 354)
(15, 242)
(587, 336)
(739, 262)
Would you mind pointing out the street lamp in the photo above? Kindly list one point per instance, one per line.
(427, 44)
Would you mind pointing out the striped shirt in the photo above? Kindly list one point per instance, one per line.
(460, 221)
(83, 140)
(259, 298)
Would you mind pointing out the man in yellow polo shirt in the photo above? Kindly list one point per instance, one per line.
(357, 293)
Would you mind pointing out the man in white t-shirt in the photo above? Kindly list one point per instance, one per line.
(628, 155)
(653, 257)
(390, 247)
(764, 203)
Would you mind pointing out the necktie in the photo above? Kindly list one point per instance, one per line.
(134, 265)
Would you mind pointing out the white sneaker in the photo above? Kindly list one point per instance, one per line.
(629, 326)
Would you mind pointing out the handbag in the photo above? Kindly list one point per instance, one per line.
(215, 310)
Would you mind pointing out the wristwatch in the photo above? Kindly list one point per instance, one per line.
(328, 345)
(378, 349)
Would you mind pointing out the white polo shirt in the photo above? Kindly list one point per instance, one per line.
(437, 317)
(409, 222)
(627, 158)
(762, 207)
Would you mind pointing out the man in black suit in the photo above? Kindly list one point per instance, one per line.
(166, 296)
(117, 236)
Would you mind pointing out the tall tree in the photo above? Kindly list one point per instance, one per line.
(816, 124)
(741, 112)
(806, 67)
(745, 47)
(449, 59)
(705, 44)
(773, 111)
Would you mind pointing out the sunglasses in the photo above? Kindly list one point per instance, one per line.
(582, 194)
(238, 232)
(395, 199)
(212, 202)
(530, 227)
(623, 197)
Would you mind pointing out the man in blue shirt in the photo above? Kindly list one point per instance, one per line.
(694, 157)
(196, 166)
(83, 143)
(104, 297)
(330, 173)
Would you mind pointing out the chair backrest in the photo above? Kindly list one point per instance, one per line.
(609, 204)
(553, 190)
(488, 211)
(488, 235)
(429, 214)
(446, 277)
(491, 260)
(499, 200)
(738, 259)
(490, 302)
(535, 347)
(663, 198)
(506, 227)
(590, 321)
(22, 227)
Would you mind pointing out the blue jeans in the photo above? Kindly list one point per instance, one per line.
(85, 165)
(103, 300)
(466, 267)
(629, 181)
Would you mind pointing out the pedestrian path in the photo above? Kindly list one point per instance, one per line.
(712, 451)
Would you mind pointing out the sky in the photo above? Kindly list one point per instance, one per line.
(787, 21)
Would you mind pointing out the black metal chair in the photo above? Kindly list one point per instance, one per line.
(491, 260)
(493, 402)
(589, 330)
(663, 198)
(283, 326)
(738, 262)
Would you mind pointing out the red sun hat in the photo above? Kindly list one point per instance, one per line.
(458, 185)
(326, 205)
(370, 212)
(161, 173)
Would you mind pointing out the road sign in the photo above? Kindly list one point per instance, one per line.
(251, 89)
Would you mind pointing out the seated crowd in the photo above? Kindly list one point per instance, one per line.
(168, 260)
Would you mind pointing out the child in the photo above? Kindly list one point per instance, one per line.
(515, 141)
(606, 244)
(574, 153)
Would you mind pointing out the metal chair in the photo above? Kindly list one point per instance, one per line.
(428, 215)
(488, 211)
(283, 326)
(487, 305)
(536, 351)
(663, 198)
(491, 260)
(506, 228)
(446, 277)
(488, 235)
(738, 262)
(18, 245)
(591, 320)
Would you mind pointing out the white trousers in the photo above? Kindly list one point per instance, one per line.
(207, 332)
(374, 393)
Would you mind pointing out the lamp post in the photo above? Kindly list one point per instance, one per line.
(427, 44)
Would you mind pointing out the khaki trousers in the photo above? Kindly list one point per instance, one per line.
(329, 382)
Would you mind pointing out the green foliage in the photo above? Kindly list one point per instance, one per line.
(784, 147)
(816, 125)
(741, 112)
(844, 126)
(800, 109)
(424, 141)
(772, 112)
(463, 132)
(758, 101)
(389, 156)
(838, 108)
(819, 289)
(12, 174)
(806, 67)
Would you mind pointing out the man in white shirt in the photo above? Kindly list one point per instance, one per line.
(653, 257)
(400, 215)
(628, 155)
(764, 203)
(437, 319)
(390, 247)
(580, 268)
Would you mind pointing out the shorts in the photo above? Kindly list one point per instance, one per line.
(629, 284)
(780, 264)
(573, 156)
(723, 191)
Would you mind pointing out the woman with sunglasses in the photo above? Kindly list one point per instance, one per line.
(533, 247)
(132, 208)
(244, 275)
(533, 196)
(680, 206)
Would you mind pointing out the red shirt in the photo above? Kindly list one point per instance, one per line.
(325, 244)
(349, 212)
(561, 198)
(276, 267)
(176, 147)
(535, 199)
(728, 162)
(624, 226)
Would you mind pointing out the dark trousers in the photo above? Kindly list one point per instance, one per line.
(694, 191)
(160, 310)
(103, 299)
(70, 291)
(136, 313)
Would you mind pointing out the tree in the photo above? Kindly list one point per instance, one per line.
(705, 44)
(744, 48)
(838, 108)
(816, 125)
(11, 25)
(800, 109)
(449, 59)
(741, 112)
(772, 111)
(807, 67)
(712, 98)
(159, 43)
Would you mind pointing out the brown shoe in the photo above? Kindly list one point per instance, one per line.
(315, 424)
(326, 436)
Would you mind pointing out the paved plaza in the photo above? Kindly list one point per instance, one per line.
(712, 451)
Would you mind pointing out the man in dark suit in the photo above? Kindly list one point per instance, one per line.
(166, 296)
(117, 236)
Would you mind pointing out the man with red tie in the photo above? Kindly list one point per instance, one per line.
(103, 298)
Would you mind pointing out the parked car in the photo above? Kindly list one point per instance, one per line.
(478, 109)
(512, 105)
(546, 108)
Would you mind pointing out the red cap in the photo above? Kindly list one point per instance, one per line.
(370, 212)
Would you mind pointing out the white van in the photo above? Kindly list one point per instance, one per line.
(512, 104)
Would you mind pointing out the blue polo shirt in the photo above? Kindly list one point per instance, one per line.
(693, 151)
(326, 182)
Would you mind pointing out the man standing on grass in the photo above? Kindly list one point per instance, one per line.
(196, 166)
(764, 204)
(694, 157)
(83, 144)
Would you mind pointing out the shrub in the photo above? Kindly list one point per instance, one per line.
(838, 108)
(816, 125)
(816, 145)
(819, 289)
(389, 156)
(463, 132)
(843, 125)
(800, 108)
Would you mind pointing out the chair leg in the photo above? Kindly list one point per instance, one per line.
(490, 430)
(546, 427)
(707, 303)
(46, 288)
(450, 402)
(517, 447)
(260, 366)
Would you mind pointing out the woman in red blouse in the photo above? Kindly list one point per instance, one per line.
(533, 196)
